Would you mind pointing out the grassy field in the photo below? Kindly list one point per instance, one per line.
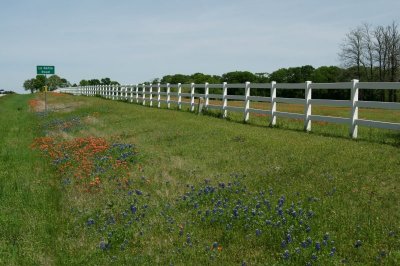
(100, 182)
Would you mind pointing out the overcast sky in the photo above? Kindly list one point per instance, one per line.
(135, 41)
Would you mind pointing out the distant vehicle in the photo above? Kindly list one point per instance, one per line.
(1, 91)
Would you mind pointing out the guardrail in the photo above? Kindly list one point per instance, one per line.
(141, 93)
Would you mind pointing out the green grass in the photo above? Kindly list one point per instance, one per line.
(29, 197)
(351, 186)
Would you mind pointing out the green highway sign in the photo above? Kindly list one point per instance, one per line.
(45, 70)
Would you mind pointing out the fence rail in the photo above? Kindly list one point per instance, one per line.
(153, 94)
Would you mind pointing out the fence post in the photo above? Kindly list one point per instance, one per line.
(131, 93)
(354, 109)
(191, 97)
(247, 102)
(273, 104)
(224, 99)
(137, 93)
(307, 106)
(113, 91)
(144, 94)
(151, 94)
(179, 96)
(206, 92)
(158, 95)
(168, 95)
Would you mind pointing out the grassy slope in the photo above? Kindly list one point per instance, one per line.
(28, 197)
(179, 148)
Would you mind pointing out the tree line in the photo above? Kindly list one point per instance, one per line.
(53, 82)
(323, 74)
(367, 53)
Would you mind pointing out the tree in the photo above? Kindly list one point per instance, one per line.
(105, 81)
(40, 82)
(351, 53)
(29, 84)
(83, 82)
(53, 82)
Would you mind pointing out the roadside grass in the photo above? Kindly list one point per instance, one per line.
(205, 191)
(29, 196)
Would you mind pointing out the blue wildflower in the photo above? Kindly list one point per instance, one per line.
(133, 209)
(258, 232)
(104, 245)
(317, 246)
(90, 222)
(289, 238)
(314, 256)
(286, 255)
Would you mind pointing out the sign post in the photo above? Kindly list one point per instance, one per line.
(45, 70)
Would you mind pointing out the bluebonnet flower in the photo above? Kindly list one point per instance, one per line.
(90, 222)
(286, 254)
(133, 209)
(283, 244)
(215, 245)
(281, 201)
(317, 246)
(289, 238)
(258, 232)
(333, 251)
(104, 245)
(314, 256)
(358, 244)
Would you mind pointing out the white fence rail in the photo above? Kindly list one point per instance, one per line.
(153, 95)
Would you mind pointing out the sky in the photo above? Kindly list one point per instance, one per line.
(133, 41)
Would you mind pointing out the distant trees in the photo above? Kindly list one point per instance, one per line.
(29, 85)
(37, 84)
(374, 52)
(94, 82)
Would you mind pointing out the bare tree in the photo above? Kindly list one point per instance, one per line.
(351, 53)
(380, 50)
(368, 51)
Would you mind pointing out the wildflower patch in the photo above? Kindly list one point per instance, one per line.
(88, 161)
(231, 212)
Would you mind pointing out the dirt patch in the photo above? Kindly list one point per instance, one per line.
(37, 105)
(91, 120)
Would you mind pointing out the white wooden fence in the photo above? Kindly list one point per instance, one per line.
(153, 94)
